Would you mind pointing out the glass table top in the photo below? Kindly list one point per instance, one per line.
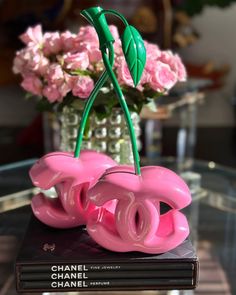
(212, 217)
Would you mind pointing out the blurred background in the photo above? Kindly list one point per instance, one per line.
(196, 120)
(201, 113)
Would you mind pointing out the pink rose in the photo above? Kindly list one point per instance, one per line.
(146, 77)
(18, 63)
(52, 93)
(87, 34)
(32, 84)
(68, 41)
(55, 74)
(175, 63)
(118, 48)
(163, 78)
(33, 35)
(76, 61)
(59, 83)
(87, 41)
(40, 63)
(64, 88)
(123, 72)
(181, 70)
(69, 80)
(152, 50)
(166, 56)
(52, 43)
(83, 86)
(94, 54)
(93, 51)
(114, 32)
(30, 59)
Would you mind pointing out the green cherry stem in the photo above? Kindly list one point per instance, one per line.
(113, 12)
(95, 15)
(125, 109)
(89, 105)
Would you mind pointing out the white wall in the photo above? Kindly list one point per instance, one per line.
(217, 42)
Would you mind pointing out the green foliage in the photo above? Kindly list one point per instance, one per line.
(196, 6)
(135, 52)
(28, 95)
(150, 93)
(105, 102)
(67, 101)
(78, 104)
(43, 105)
(134, 98)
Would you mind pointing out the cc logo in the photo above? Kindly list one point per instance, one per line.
(136, 224)
(71, 178)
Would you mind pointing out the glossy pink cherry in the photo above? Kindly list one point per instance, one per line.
(137, 224)
(71, 178)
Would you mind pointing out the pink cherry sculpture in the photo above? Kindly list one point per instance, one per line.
(71, 178)
(136, 224)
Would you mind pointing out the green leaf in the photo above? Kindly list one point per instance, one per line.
(79, 72)
(28, 95)
(135, 52)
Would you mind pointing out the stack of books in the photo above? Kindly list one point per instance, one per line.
(69, 260)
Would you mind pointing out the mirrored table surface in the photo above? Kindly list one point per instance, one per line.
(212, 217)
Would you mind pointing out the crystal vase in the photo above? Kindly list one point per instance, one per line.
(109, 135)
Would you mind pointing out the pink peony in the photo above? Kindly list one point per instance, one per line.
(83, 85)
(74, 61)
(32, 84)
(33, 35)
(52, 43)
(52, 93)
(163, 78)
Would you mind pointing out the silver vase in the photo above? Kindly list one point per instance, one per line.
(110, 135)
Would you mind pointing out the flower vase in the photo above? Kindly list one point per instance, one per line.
(109, 135)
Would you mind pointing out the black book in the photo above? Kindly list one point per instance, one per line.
(69, 260)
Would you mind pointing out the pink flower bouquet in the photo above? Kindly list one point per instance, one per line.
(61, 69)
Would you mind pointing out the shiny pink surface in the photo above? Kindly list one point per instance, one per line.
(137, 224)
(71, 178)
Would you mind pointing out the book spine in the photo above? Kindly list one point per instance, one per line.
(47, 276)
(73, 267)
(104, 284)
